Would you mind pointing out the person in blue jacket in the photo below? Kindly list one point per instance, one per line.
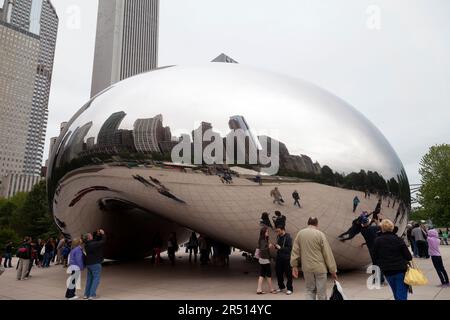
(76, 261)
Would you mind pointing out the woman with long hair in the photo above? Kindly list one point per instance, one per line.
(264, 261)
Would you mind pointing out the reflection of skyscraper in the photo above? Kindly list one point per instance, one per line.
(148, 133)
(127, 41)
(238, 122)
(224, 59)
(76, 141)
(109, 128)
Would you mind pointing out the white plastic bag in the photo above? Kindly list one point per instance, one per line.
(338, 292)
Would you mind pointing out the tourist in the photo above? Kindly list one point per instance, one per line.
(48, 253)
(54, 252)
(411, 240)
(283, 262)
(370, 233)
(312, 252)
(59, 250)
(33, 257)
(377, 210)
(279, 220)
(264, 247)
(265, 221)
(204, 250)
(356, 201)
(296, 198)
(445, 237)
(24, 255)
(421, 242)
(94, 259)
(76, 261)
(435, 253)
(392, 256)
(65, 254)
(172, 247)
(157, 247)
(8, 255)
(276, 195)
(41, 252)
(193, 247)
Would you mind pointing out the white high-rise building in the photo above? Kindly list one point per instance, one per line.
(127, 41)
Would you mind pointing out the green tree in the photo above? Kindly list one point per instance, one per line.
(32, 218)
(435, 191)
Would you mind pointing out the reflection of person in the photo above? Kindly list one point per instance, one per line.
(296, 197)
(391, 254)
(276, 195)
(283, 262)
(356, 201)
(312, 252)
(353, 230)
(193, 247)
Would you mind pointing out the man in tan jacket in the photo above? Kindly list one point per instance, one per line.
(311, 251)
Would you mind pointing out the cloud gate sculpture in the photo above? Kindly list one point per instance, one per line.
(201, 148)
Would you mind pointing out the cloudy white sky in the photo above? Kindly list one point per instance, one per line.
(388, 58)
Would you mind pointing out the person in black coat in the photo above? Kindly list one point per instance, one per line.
(283, 262)
(391, 254)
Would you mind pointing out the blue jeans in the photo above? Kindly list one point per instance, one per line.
(398, 286)
(8, 259)
(415, 249)
(47, 259)
(93, 280)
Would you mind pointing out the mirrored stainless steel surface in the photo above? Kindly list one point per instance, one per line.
(112, 166)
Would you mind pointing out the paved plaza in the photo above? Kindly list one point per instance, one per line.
(143, 281)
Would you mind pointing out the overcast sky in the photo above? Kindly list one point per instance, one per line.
(389, 58)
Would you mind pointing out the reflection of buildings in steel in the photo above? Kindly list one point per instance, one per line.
(76, 143)
(213, 208)
(239, 123)
(109, 128)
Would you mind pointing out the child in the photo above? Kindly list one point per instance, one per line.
(435, 253)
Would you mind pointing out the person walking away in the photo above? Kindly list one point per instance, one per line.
(296, 198)
(356, 202)
(193, 247)
(264, 247)
(76, 261)
(283, 261)
(94, 259)
(157, 247)
(411, 240)
(276, 195)
(172, 247)
(59, 250)
(312, 252)
(279, 220)
(24, 255)
(420, 240)
(204, 250)
(436, 258)
(392, 256)
(8, 255)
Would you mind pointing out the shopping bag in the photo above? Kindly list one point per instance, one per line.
(414, 276)
(338, 292)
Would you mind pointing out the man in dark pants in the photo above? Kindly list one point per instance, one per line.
(8, 255)
(370, 233)
(283, 262)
